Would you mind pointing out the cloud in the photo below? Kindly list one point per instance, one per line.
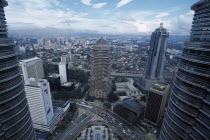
(161, 15)
(98, 5)
(42, 14)
(123, 2)
(86, 2)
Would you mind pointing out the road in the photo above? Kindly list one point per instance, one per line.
(95, 113)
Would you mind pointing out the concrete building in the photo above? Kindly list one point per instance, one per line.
(63, 72)
(156, 103)
(40, 104)
(156, 54)
(15, 118)
(100, 85)
(97, 132)
(188, 112)
(129, 89)
(32, 68)
(64, 59)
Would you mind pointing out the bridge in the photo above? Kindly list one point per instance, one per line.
(128, 75)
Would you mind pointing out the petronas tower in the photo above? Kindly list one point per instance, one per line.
(15, 119)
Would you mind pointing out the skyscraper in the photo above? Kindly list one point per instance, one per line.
(156, 59)
(62, 72)
(188, 112)
(100, 85)
(40, 104)
(156, 55)
(157, 99)
(15, 118)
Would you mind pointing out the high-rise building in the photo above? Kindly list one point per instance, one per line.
(157, 99)
(100, 85)
(62, 72)
(15, 118)
(156, 55)
(32, 68)
(188, 112)
(40, 103)
(156, 59)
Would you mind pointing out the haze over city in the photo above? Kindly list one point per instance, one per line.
(101, 16)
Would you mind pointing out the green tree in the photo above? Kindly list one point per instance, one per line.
(107, 105)
(112, 97)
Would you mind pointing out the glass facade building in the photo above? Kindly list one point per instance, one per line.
(188, 112)
(15, 118)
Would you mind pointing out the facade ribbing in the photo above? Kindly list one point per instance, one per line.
(100, 71)
(188, 112)
(15, 119)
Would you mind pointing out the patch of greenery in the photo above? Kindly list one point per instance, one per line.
(64, 95)
(112, 97)
(79, 75)
(107, 105)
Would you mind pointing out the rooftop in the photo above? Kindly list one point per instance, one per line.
(101, 41)
(31, 59)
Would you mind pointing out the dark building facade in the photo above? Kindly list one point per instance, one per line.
(15, 119)
(188, 112)
(157, 99)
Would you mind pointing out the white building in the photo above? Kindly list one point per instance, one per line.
(129, 89)
(97, 132)
(62, 72)
(32, 68)
(40, 104)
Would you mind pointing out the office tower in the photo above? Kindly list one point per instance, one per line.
(188, 112)
(157, 99)
(15, 118)
(40, 102)
(32, 68)
(64, 59)
(100, 85)
(156, 55)
(62, 72)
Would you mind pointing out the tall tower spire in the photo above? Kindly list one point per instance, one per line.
(156, 55)
(188, 112)
(15, 119)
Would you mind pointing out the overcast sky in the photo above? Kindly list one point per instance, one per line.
(102, 16)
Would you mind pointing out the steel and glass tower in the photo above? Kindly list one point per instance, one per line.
(188, 112)
(15, 119)
(100, 85)
(156, 55)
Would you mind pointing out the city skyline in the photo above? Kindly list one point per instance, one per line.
(117, 17)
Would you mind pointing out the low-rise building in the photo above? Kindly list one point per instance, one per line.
(128, 88)
(97, 132)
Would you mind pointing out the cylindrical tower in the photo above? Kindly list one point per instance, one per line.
(188, 112)
(15, 119)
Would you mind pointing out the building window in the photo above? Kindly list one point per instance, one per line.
(48, 111)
